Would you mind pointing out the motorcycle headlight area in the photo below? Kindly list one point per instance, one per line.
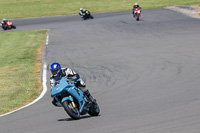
(63, 94)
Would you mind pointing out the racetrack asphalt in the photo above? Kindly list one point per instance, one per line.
(144, 74)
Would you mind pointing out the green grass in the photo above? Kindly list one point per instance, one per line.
(19, 82)
(33, 8)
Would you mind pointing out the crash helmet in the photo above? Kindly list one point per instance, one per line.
(136, 4)
(55, 69)
(81, 9)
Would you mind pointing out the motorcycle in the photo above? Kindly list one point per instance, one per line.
(136, 13)
(85, 16)
(73, 100)
(7, 25)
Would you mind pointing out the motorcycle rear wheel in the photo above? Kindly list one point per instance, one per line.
(94, 110)
(4, 27)
(72, 112)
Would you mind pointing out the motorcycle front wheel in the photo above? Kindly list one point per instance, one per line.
(72, 111)
(14, 27)
(137, 16)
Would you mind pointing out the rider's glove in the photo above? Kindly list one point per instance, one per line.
(75, 78)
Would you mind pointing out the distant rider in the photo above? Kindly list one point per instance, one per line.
(82, 11)
(58, 73)
(134, 7)
(3, 21)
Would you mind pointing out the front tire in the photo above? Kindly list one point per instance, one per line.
(73, 112)
(14, 27)
(137, 16)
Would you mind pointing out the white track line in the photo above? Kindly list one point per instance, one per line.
(44, 81)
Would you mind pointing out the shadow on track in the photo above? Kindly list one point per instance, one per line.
(70, 119)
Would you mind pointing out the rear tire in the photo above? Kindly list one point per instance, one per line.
(4, 27)
(94, 110)
(72, 112)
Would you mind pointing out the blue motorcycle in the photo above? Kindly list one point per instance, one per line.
(73, 100)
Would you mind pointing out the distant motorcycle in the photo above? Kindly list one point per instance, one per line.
(85, 16)
(7, 25)
(73, 100)
(136, 13)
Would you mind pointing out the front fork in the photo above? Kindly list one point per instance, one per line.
(72, 104)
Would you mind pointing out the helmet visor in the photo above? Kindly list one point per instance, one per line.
(54, 72)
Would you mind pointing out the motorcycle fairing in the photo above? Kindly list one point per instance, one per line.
(70, 88)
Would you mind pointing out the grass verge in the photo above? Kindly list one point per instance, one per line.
(35, 8)
(20, 66)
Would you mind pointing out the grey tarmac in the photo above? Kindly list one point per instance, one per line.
(144, 74)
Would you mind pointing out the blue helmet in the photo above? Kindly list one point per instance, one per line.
(55, 69)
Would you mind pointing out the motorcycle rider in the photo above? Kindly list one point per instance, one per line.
(82, 11)
(134, 7)
(58, 73)
(3, 22)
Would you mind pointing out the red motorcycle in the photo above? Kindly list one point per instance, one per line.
(136, 13)
(7, 24)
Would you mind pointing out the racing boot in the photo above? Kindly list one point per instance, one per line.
(92, 100)
(55, 103)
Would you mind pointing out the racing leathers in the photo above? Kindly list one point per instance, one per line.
(3, 22)
(86, 12)
(79, 83)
